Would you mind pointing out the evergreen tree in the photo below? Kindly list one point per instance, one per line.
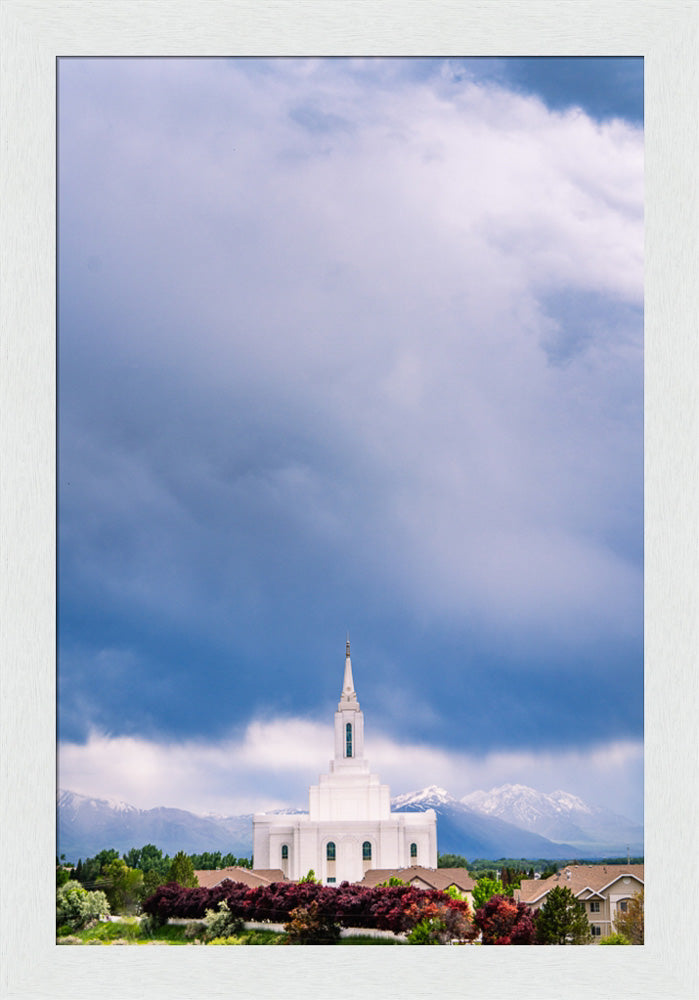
(182, 871)
(562, 919)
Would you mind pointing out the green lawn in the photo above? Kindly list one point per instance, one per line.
(129, 932)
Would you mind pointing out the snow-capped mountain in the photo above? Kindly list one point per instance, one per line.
(89, 825)
(512, 821)
(462, 830)
(559, 816)
(432, 797)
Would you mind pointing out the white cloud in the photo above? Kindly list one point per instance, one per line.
(275, 760)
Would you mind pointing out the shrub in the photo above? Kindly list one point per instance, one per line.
(308, 925)
(429, 930)
(394, 908)
(221, 923)
(76, 907)
(615, 939)
(504, 921)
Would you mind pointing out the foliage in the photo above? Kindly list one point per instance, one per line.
(76, 907)
(452, 861)
(511, 878)
(394, 908)
(310, 878)
(394, 880)
(151, 880)
(485, 888)
(454, 893)
(615, 939)
(122, 885)
(427, 931)
(221, 922)
(211, 860)
(182, 870)
(148, 858)
(562, 919)
(89, 870)
(63, 875)
(630, 924)
(310, 925)
(501, 920)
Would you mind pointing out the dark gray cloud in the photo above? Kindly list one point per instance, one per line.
(344, 347)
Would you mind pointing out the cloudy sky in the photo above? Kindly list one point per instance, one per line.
(350, 344)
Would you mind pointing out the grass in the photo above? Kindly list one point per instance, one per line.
(367, 939)
(128, 931)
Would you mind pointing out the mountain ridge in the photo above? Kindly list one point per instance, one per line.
(480, 825)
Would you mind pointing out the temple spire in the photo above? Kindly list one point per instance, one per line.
(348, 698)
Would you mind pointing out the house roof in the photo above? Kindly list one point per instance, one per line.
(262, 876)
(582, 880)
(436, 878)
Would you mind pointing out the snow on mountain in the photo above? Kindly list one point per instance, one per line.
(88, 825)
(559, 816)
(510, 821)
(431, 797)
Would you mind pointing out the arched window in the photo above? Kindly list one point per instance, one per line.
(330, 851)
(413, 850)
(348, 740)
(366, 851)
(285, 852)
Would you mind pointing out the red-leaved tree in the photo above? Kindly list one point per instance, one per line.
(503, 921)
(393, 908)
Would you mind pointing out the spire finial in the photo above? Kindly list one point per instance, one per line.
(347, 647)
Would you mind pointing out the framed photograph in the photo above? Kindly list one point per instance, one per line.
(347, 472)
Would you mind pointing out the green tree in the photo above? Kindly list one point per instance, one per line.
(151, 881)
(562, 919)
(485, 888)
(452, 861)
(92, 867)
(182, 871)
(76, 907)
(148, 858)
(123, 886)
(630, 924)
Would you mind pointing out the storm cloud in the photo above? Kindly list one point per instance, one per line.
(348, 344)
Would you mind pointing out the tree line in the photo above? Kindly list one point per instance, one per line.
(129, 879)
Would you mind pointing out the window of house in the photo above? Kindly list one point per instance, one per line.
(366, 851)
(348, 740)
(285, 852)
(413, 850)
(330, 851)
(623, 905)
(331, 880)
(594, 906)
(596, 930)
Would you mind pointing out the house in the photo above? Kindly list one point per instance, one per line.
(605, 891)
(349, 827)
(425, 878)
(211, 877)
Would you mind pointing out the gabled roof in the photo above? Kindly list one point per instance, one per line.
(593, 879)
(436, 878)
(262, 876)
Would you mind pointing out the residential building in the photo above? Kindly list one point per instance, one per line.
(605, 890)
(208, 878)
(425, 878)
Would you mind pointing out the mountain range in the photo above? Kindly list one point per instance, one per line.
(512, 821)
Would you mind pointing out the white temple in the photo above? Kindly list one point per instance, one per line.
(349, 827)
